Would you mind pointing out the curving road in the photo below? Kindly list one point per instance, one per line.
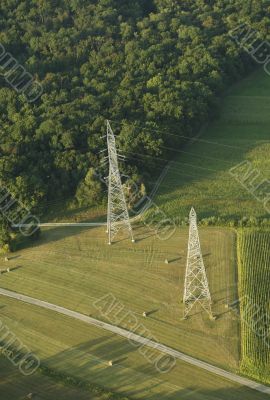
(139, 339)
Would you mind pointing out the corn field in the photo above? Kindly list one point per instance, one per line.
(254, 294)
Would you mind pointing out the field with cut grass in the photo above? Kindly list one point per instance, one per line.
(76, 349)
(15, 386)
(254, 290)
(74, 267)
(199, 175)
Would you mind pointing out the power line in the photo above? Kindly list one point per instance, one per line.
(183, 136)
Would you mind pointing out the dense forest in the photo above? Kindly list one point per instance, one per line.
(154, 67)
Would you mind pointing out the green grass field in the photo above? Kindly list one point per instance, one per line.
(254, 289)
(15, 386)
(74, 267)
(199, 174)
(73, 347)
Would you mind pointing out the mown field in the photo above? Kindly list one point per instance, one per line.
(254, 290)
(199, 175)
(15, 386)
(74, 267)
(74, 348)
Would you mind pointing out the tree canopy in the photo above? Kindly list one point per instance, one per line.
(155, 68)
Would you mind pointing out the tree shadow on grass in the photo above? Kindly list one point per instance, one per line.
(134, 381)
(57, 233)
(147, 381)
(153, 384)
(50, 235)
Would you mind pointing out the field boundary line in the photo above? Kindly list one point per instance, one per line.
(139, 339)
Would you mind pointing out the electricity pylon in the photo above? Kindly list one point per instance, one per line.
(196, 288)
(117, 217)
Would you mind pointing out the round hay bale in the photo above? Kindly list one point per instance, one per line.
(144, 314)
(6, 259)
(166, 261)
(110, 363)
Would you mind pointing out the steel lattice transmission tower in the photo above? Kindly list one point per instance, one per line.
(196, 290)
(117, 217)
